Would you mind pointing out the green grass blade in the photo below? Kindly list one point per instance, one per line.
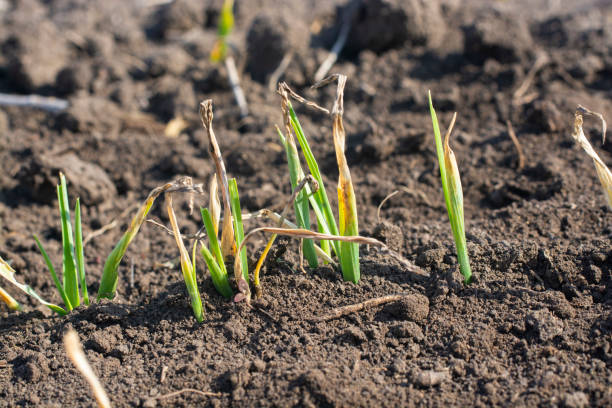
(440, 153)
(238, 227)
(216, 266)
(56, 280)
(321, 195)
(226, 19)
(78, 237)
(70, 276)
(218, 276)
(189, 274)
(8, 273)
(108, 283)
(300, 205)
(213, 241)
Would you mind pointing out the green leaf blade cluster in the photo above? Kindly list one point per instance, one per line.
(73, 262)
(214, 257)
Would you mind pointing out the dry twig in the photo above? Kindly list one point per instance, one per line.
(347, 20)
(75, 353)
(517, 144)
(349, 309)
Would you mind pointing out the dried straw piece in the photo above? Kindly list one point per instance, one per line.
(604, 174)
(214, 204)
(74, 350)
(227, 232)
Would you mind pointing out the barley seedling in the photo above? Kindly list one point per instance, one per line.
(453, 194)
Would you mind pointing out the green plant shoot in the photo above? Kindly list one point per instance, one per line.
(453, 193)
(214, 258)
(187, 266)
(224, 28)
(73, 265)
(238, 228)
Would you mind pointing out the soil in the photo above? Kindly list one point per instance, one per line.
(535, 327)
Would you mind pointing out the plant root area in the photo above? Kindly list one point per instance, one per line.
(533, 329)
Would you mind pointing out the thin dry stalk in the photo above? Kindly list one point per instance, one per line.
(187, 390)
(214, 204)
(234, 80)
(517, 145)
(275, 217)
(349, 309)
(285, 91)
(302, 184)
(541, 61)
(74, 350)
(227, 232)
(347, 20)
(307, 234)
(105, 228)
(409, 191)
(280, 70)
(604, 174)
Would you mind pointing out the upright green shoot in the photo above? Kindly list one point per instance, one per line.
(301, 206)
(73, 265)
(238, 228)
(347, 205)
(187, 266)
(453, 193)
(70, 273)
(214, 258)
(80, 258)
(347, 251)
(108, 284)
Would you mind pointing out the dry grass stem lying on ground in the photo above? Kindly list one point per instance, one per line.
(604, 174)
(346, 310)
(74, 350)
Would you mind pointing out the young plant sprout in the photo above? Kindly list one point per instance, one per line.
(301, 206)
(347, 251)
(219, 53)
(604, 174)
(110, 277)
(187, 266)
(73, 265)
(213, 256)
(108, 284)
(453, 194)
(232, 232)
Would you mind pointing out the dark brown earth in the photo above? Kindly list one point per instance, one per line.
(534, 329)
